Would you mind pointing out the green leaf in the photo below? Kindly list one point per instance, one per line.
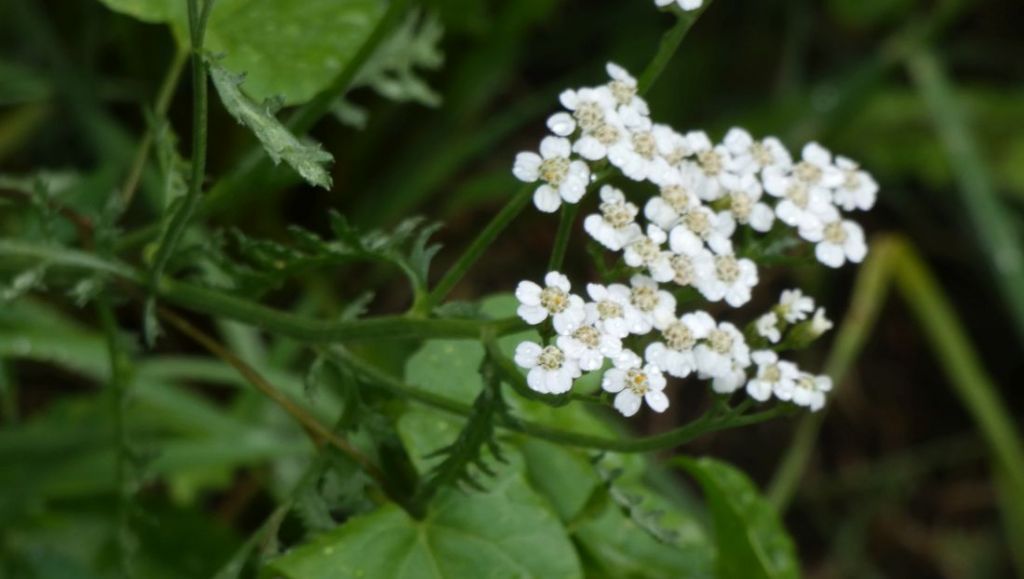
(308, 159)
(506, 532)
(751, 540)
(290, 49)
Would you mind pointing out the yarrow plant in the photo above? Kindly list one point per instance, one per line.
(690, 221)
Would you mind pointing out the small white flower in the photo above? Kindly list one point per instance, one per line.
(820, 324)
(564, 179)
(722, 352)
(673, 147)
(679, 191)
(645, 251)
(590, 346)
(656, 307)
(801, 205)
(587, 107)
(674, 353)
(815, 168)
(596, 144)
(537, 304)
(838, 241)
(616, 225)
(623, 87)
(732, 280)
(637, 155)
(794, 306)
(692, 269)
(768, 327)
(633, 384)
(713, 160)
(773, 377)
(744, 194)
(751, 157)
(810, 391)
(858, 189)
(701, 225)
(684, 4)
(611, 312)
(550, 371)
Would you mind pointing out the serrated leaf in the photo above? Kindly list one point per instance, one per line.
(751, 539)
(308, 159)
(287, 48)
(466, 453)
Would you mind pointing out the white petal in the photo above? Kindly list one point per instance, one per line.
(552, 147)
(527, 167)
(561, 124)
(528, 293)
(657, 401)
(546, 199)
(627, 403)
(532, 315)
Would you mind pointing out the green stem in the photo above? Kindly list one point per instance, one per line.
(565, 224)
(179, 221)
(704, 425)
(119, 379)
(476, 249)
(670, 42)
(160, 106)
(219, 304)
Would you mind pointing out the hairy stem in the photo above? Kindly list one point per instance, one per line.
(219, 304)
(197, 18)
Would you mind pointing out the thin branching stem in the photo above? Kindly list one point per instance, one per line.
(160, 106)
(668, 46)
(319, 433)
(219, 304)
(565, 225)
(706, 424)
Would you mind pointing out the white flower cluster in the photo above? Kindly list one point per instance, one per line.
(706, 192)
(589, 333)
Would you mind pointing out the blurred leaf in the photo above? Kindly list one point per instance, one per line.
(505, 532)
(392, 70)
(309, 160)
(750, 538)
(290, 49)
